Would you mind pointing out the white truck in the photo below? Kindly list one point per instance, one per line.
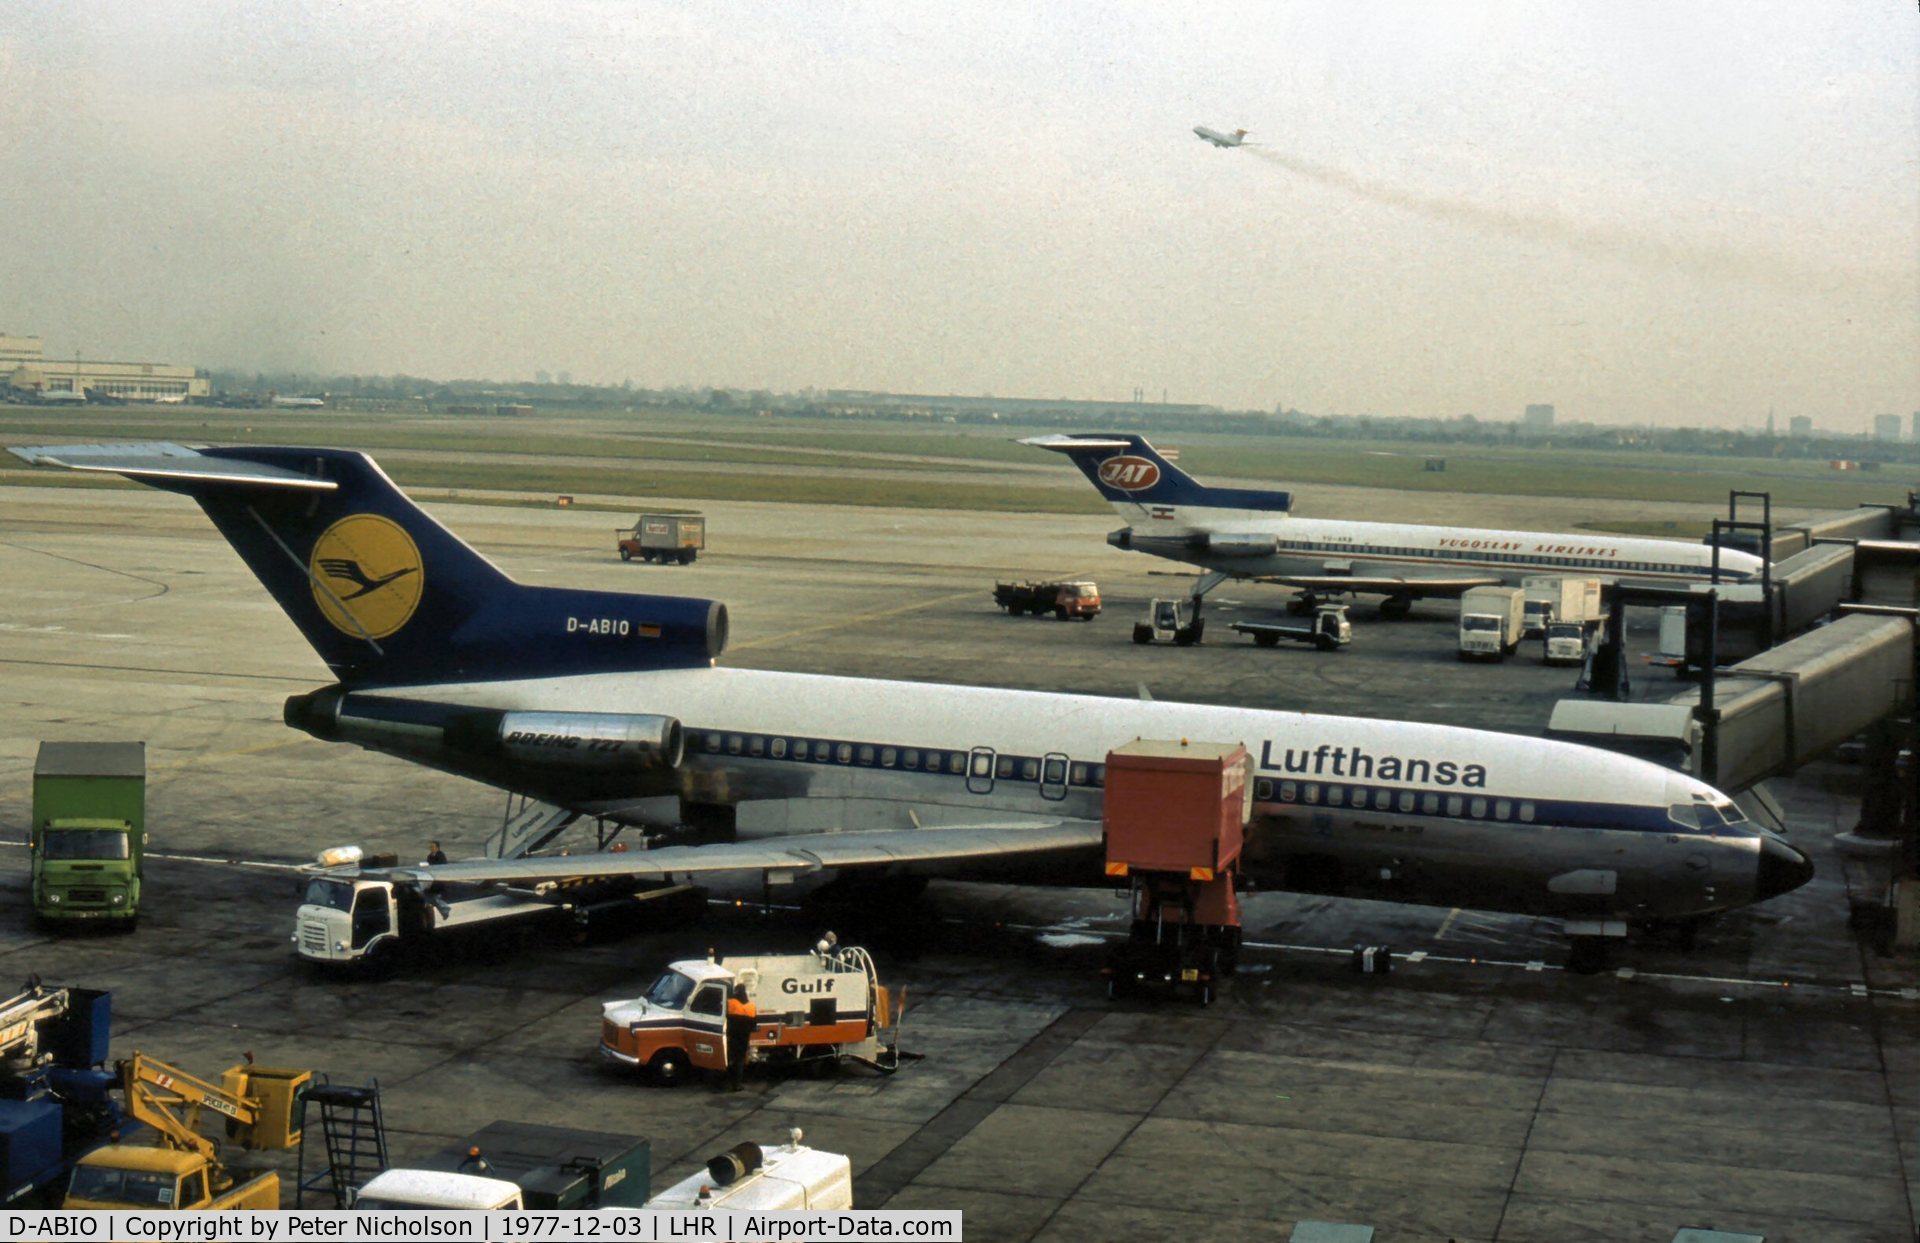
(745, 1178)
(749, 1179)
(1554, 597)
(1673, 639)
(1490, 622)
(813, 1009)
(348, 920)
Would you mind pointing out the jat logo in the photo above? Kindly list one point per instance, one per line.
(366, 575)
(1129, 474)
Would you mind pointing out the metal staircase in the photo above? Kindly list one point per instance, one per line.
(354, 1135)
(527, 827)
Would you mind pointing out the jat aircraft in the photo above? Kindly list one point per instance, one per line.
(596, 702)
(1248, 533)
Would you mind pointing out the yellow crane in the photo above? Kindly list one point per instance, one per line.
(260, 1106)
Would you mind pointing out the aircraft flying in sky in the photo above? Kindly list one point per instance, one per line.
(1238, 138)
(611, 704)
(1249, 533)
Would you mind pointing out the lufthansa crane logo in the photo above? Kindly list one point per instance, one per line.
(1129, 473)
(367, 577)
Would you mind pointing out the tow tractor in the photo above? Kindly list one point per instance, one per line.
(816, 1009)
(1175, 818)
(261, 1107)
(1327, 629)
(1171, 620)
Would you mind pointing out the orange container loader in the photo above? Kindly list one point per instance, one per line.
(1175, 816)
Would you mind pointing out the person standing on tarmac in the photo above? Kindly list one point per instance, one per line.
(435, 855)
(742, 1017)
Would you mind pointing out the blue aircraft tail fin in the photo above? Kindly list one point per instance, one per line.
(1129, 471)
(385, 594)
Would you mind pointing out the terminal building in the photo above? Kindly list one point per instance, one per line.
(26, 368)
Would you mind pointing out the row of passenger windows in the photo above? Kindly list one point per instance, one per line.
(1475, 554)
(1376, 798)
(1054, 769)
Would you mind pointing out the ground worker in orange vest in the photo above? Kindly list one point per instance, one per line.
(742, 1018)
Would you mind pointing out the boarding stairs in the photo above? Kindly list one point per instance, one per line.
(354, 1136)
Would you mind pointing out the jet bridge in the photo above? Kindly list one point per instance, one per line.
(1768, 714)
(1845, 526)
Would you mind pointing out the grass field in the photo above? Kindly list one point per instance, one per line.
(721, 457)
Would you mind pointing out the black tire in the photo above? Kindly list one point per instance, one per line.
(1395, 610)
(669, 1068)
(1143, 634)
(1325, 643)
(1267, 640)
(1060, 612)
(1185, 638)
(626, 554)
(687, 555)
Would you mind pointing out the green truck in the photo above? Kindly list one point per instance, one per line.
(89, 833)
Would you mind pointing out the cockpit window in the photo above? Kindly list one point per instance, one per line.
(1684, 815)
(1731, 813)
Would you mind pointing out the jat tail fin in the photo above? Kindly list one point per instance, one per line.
(1129, 473)
(386, 595)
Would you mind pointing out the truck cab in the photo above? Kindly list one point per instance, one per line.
(86, 869)
(1566, 642)
(344, 920)
(131, 1177)
(437, 1189)
(818, 1008)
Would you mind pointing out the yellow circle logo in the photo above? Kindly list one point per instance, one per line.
(367, 575)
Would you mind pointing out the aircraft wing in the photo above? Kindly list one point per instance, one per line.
(797, 854)
(1436, 586)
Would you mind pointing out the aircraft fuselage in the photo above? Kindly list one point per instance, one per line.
(1343, 806)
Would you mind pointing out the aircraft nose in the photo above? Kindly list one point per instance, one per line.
(1782, 869)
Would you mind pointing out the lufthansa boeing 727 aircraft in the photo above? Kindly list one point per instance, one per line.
(592, 701)
(1245, 533)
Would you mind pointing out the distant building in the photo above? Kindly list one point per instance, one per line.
(1886, 427)
(1538, 419)
(24, 365)
(1800, 426)
(1915, 435)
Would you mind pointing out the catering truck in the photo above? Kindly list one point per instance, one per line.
(346, 920)
(1557, 598)
(1490, 622)
(88, 837)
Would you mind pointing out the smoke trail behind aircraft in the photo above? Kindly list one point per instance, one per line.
(1597, 240)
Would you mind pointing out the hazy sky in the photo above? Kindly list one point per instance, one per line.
(1635, 209)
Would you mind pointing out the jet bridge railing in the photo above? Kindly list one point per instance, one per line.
(1767, 715)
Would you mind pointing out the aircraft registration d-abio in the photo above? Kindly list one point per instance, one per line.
(597, 701)
(1252, 533)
